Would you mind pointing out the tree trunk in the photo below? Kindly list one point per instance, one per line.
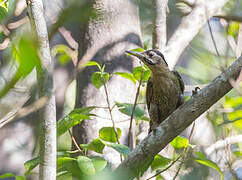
(105, 40)
(47, 114)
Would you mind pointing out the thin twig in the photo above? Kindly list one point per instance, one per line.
(173, 162)
(110, 111)
(212, 36)
(133, 109)
(214, 42)
(74, 141)
(185, 151)
(111, 116)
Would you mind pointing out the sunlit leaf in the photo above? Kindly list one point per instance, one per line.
(108, 134)
(68, 165)
(99, 78)
(237, 153)
(72, 119)
(137, 72)
(25, 53)
(127, 108)
(31, 164)
(86, 165)
(232, 102)
(96, 145)
(126, 75)
(20, 178)
(7, 175)
(203, 160)
(98, 163)
(179, 142)
(159, 162)
(65, 54)
(63, 162)
(233, 28)
(146, 44)
(122, 149)
(3, 14)
(93, 63)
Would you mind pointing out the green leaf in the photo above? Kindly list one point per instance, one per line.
(86, 165)
(127, 108)
(96, 145)
(146, 44)
(26, 55)
(108, 134)
(122, 149)
(179, 142)
(237, 153)
(93, 63)
(99, 78)
(233, 29)
(20, 178)
(7, 175)
(68, 165)
(232, 102)
(98, 163)
(3, 14)
(137, 72)
(63, 162)
(72, 119)
(65, 53)
(31, 164)
(203, 160)
(126, 75)
(159, 162)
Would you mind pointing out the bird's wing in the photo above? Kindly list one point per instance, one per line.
(149, 92)
(181, 83)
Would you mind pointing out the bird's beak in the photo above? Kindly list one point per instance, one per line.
(144, 59)
(136, 54)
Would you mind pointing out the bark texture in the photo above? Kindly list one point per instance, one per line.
(141, 157)
(47, 154)
(105, 40)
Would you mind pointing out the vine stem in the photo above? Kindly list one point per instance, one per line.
(111, 116)
(133, 110)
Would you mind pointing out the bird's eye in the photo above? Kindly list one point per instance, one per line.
(151, 54)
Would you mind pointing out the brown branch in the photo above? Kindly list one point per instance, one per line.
(159, 33)
(141, 157)
(229, 17)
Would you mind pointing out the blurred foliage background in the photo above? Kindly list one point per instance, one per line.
(200, 157)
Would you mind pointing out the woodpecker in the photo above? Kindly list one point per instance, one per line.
(165, 88)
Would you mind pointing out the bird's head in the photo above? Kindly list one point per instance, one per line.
(153, 58)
